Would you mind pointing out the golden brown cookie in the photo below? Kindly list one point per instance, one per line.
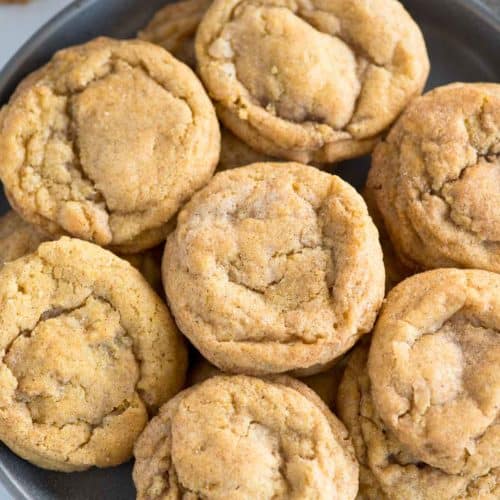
(395, 270)
(174, 27)
(106, 142)
(387, 470)
(274, 267)
(434, 365)
(241, 437)
(436, 179)
(18, 237)
(310, 81)
(88, 351)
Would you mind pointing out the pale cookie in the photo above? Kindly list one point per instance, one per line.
(274, 267)
(434, 366)
(106, 142)
(324, 384)
(312, 80)
(18, 237)
(237, 437)
(436, 179)
(395, 270)
(387, 470)
(174, 27)
(88, 350)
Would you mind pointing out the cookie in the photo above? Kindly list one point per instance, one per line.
(324, 384)
(311, 82)
(18, 237)
(241, 437)
(274, 267)
(386, 469)
(106, 142)
(433, 365)
(436, 179)
(395, 270)
(88, 352)
(174, 27)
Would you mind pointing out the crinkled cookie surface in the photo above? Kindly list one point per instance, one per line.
(241, 437)
(106, 142)
(87, 352)
(274, 267)
(312, 80)
(436, 179)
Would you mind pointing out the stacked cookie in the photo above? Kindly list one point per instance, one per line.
(272, 269)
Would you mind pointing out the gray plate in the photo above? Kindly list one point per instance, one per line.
(463, 37)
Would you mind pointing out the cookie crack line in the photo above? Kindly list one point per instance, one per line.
(276, 255)
(56, 312)
(357, 51)
(488, 156)
(71, 137)
(116, 411)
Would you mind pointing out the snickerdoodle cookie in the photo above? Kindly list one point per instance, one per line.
(274, 267)
(174, 27)
(436, 179)
(106, 142)
(18, 237)
(434, 367)
(241, 437)
(87, 351)
(387, 470)
(310, 81)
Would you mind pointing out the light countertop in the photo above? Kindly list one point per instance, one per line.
(19, 22)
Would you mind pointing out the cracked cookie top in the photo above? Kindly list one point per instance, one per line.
(274, 267)
(106, 142)
(436, 179)
(310, 80)
(174, 27)
(87, 352)
(241, 437)
(387, 469)
(433, 365)
(18, 237)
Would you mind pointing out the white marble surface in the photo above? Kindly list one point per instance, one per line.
(19, 22)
